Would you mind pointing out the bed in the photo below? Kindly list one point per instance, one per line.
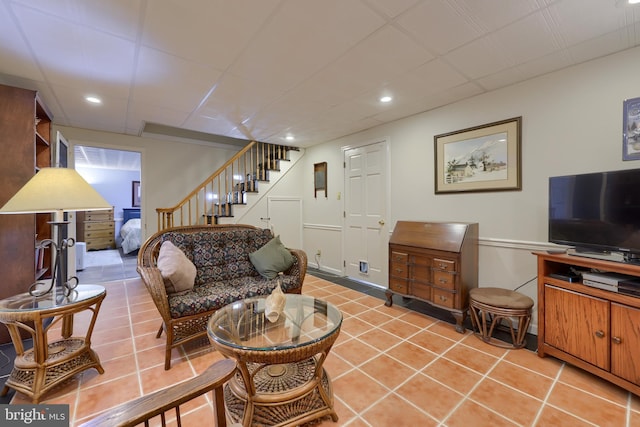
(130, 230)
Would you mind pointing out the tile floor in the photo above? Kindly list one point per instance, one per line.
(391, 366)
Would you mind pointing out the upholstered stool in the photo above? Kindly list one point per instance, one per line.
(489, 306)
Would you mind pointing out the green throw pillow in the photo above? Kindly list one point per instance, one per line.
(272, 258)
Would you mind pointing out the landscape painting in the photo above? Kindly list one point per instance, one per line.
(482, 158)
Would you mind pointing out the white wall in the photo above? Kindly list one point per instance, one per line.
(571, 123)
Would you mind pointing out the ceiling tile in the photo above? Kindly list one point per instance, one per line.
(494, 14)
(217, 32)
(302, 38)
(602, 45)
(392, 8)
(108, 68)
(111, 114)
(450, 30)
(531, 37)
(596, 18)
(159, 80)
(479, 58)
(115, 17)
(237, 99)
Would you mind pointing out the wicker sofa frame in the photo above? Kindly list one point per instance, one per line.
(180, 329)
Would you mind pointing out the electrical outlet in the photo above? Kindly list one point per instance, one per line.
(318, 252)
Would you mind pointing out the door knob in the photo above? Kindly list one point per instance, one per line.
(381, 222)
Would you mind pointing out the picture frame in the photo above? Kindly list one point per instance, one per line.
(135, 194)
(320, 178)
(480, 158)
(631, 129)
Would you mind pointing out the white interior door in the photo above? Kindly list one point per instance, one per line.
(285, 219)
(366, 236)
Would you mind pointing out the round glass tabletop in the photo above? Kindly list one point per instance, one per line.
(53, 299)
(304, 320)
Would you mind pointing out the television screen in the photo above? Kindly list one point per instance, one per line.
(596, 211)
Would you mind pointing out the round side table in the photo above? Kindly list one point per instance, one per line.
(47, 364)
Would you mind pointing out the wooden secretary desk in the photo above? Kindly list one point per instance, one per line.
(435, 262)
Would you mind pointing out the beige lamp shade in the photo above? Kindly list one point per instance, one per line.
(55, 190)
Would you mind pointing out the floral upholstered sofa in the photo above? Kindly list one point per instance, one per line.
(204, 268)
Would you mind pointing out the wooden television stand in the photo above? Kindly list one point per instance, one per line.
(594, 329)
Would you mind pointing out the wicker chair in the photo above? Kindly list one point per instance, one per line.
(143, 409)
(181, 329)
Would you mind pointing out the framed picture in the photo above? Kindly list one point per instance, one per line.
(631, 129)
(320, 178)
(481, 158)
(135, 194)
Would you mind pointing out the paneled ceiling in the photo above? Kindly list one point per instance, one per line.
(102, 158)
(268, 69)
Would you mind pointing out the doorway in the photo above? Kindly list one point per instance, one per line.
(116, 175)
(366, 234)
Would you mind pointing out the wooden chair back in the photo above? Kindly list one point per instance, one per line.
(162, 402)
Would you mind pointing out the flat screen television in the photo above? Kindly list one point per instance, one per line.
(597, 213)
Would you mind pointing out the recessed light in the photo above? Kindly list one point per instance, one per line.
(386, 99)
(93, 99)
(289, 137)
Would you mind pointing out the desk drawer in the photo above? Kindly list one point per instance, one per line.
(399, 270)
(100, 243)
(444, 298)
(95, 234)
(398, 285)
(95, 226)
(444, 264)
(442, 279)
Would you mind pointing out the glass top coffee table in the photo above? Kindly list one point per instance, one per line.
(280, 378)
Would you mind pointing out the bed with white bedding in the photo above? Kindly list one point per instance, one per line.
(131, 235)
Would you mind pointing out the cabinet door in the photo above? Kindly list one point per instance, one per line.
(625, 342)
(577, 324)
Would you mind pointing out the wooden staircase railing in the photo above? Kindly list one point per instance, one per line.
(226, 187)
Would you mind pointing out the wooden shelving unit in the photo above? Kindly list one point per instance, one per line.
(26, 136)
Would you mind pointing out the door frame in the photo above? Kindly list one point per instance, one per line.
(387, 190)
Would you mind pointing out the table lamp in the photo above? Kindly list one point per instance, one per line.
(56, 190)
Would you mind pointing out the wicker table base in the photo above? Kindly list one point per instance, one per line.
(66, 358)
(285, 402)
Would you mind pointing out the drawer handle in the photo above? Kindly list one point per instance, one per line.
(616, 340)
(599, 334)
(444, 281)
(442, 298)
